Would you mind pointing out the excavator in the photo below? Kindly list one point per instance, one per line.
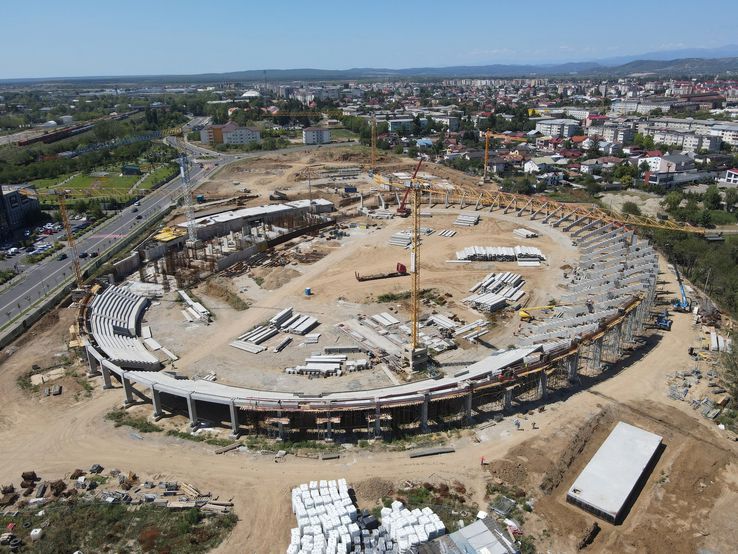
(526, 316)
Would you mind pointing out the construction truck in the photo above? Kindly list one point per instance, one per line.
(400, 271)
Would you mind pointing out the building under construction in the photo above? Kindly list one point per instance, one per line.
(607, 307)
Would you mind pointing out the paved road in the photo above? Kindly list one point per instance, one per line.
(38, 280)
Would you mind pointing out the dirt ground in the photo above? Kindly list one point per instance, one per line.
(687, 503)
(338, 296)
(650, 204)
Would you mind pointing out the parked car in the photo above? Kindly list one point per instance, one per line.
(134, 210)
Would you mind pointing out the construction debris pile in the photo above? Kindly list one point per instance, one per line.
(501, 254)
(470, 331)
(115, 487)
(329, 522)
(466, 219)
(286, 321)
(495, 291)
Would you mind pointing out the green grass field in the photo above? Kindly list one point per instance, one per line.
(112, 185)
(161, 172)
(343, 134)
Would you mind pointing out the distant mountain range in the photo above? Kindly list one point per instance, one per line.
(692, 62)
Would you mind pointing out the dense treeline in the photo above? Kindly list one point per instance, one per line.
(41, 161)
(711, 266)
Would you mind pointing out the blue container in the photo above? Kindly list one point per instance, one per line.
(308, 291)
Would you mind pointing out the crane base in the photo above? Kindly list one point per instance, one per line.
(418, 359)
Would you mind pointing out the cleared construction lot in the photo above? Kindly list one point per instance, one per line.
(685, 504)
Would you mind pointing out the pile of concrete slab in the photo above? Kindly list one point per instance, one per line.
(325, 365)
(500, 253)
(385, 319)
(286, 321)
(194, 309)
(467, 220)
(410, 528)
(381, 214)
(495, 291)
(401, 238)
(446, 233)
(524, 233)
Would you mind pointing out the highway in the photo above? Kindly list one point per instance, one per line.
(39, 280)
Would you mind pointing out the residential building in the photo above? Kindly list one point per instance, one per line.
(640, 105)
(316, 135)
(537, 165)
(229, 133)
(558, 127)
(684, 140)
(727, 132)
(681, 178)
(18, 201)
(611, 132)
(730, 177)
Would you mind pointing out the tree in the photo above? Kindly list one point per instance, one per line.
(631, 208)
(711, 199)
(672, 200)
(731, 198)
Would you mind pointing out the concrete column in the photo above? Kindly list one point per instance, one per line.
(446, 201)
(280, 427)
(468, 405)
(156, 400)
(128, 389)
(94, 365)
(573, 366)
(328, 430)
(508, 400)
(377, 421)
(463, 198)
(542, 385)
(424, 412)
(192, 410)
(597, 354)
(106, 377)
(234, 420)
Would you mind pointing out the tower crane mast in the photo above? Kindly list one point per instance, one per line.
(187, 199)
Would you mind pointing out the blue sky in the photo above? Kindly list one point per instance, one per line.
(46, 38)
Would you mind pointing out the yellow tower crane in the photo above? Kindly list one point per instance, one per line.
(374, 142)
(485, 175)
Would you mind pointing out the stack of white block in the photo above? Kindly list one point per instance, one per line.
(411, 528)
(326, 518)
